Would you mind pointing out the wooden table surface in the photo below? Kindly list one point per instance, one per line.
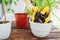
(25, 34)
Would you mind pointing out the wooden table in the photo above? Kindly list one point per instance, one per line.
(25, 34)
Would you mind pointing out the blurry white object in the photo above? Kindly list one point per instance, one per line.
(19, 8)
(5, 30)
(1, 12)
(9, 17)
(40, 30)
(56, 18)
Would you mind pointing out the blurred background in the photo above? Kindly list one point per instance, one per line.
(20, 7)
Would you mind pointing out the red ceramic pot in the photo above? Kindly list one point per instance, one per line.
(21, 20)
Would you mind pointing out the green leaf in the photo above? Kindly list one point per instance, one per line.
(8, 9)
(12, 11)
(38, 3)
(48, 3)
(10, 1)
(0, 1)
(6, 2)
(29, 12)
(15, 3)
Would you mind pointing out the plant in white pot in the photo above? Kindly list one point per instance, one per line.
(5, 26)
(41, 23)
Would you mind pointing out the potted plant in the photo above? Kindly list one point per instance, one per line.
(5, 26)
(21, 18)
(41, 15)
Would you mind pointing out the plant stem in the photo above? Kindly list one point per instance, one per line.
(3, 8)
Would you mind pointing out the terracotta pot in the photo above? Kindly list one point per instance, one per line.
(21, 20)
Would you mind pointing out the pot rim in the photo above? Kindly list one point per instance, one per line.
(21, 13)
(40, 23)
(5, 23)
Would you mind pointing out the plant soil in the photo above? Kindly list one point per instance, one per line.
(40, 18)
(2, 22)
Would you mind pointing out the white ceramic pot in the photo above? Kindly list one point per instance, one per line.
(40, 30)
(5, 30)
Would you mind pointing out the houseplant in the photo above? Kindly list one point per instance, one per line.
(40, 26)
(5, 26)
(21, 20)
(21, 17)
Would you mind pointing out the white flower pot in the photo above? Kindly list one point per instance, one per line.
(40, 30)
(5, 30)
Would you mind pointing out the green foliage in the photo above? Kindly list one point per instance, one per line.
(8, 9)
(6, 2)
(38, 3)
(0, 1)
(51, 3)
(12, 10)
(10, 1)
(29, 12)
(15, 3)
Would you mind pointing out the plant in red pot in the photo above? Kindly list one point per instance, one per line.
(21, 20)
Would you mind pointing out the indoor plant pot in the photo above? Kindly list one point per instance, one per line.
(21, 20)
(5, 26)
(5, 30)
(40, 29)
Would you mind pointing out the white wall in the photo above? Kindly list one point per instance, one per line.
(20, 7)
(0, 12)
